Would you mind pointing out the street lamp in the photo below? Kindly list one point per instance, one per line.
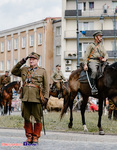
(102, 20)
(77, 31)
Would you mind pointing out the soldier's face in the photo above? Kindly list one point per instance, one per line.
(33, 62)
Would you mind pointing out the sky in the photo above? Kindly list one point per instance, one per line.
(14, 13)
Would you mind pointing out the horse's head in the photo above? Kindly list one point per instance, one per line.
(17, 86)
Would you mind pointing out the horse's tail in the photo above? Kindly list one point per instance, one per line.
(66, 105)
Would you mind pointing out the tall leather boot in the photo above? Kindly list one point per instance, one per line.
(28, 131)
(94, 90)
(37, 132)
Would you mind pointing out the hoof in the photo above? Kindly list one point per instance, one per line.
(69, 126)
(85, 128)
(101, 133)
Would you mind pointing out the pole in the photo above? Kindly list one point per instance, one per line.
(77, 31)
(115, 35)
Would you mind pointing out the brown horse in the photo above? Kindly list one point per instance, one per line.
(6, 97)
(64, 90)
(107, 87)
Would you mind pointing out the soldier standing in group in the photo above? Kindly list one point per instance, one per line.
(4, 80)
(33, 78)
(57, 77)
(95, 53)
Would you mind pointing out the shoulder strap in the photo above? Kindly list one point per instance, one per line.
(93, 52)
(4, 79)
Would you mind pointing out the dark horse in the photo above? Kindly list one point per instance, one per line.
(107, 87)
(64, 90)
(6, 97)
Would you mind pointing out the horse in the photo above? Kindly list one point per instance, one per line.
(64, 90)
(6, 96)
(107, 87)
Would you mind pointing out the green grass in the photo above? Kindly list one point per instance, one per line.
(53, 123)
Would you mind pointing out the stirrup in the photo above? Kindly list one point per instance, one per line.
(94, 91)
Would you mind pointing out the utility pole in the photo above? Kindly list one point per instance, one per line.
(77, 31)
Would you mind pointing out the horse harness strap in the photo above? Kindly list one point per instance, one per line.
(93, 52)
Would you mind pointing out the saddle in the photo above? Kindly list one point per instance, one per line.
(100, 71)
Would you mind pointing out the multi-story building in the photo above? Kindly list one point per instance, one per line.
(56, 43)
(19, 42)
(90, 12)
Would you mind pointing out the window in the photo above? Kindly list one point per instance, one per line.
(86, 26)
(15, 61)
(9, 45)
(1, 65)
(58, 50)
(15, 43)
(91, 5)
(58, 31)
(114, 5)
(23, 42)
(84, 6)
(39, 38)
(31, 40)
(8, 64)
(2, 46)
(39, 63)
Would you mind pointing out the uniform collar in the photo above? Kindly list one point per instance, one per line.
(33, 69)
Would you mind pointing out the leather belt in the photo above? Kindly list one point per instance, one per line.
(32, 85)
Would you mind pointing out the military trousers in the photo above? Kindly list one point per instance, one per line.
(31, 109)
(93, 65)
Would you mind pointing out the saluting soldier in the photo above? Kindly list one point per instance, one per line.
(95, 53)
(4, 80)
(33, 78)
(57, 77)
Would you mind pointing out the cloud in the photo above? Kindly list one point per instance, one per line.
(20, 12)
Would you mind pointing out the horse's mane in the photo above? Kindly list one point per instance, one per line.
(112, 66)
(76, 72)
(10, 84)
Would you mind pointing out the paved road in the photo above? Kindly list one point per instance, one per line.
(58, 141)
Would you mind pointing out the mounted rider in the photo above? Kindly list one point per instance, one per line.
(57, 77)
(95, 53)
(4, 80)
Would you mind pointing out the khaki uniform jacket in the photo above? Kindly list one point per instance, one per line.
(39, 77)
(96, 54)
(4, 80)
(58, 75)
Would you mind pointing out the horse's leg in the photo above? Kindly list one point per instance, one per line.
(5, 107)
(71, 115)
(83, 107)
(9, 106)
(100, 112)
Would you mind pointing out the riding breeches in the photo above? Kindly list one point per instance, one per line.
(31, 109)
(93, 66)
(58, 86)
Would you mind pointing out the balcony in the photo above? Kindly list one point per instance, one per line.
(88, 13)
(72, 55)
(71, 34)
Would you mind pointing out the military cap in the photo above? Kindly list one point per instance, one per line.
(97, 33)
(58, 65)
(7, 71)
(34, 55)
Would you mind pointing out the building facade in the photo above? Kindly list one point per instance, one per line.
(56, 43)
(19, 42)
(91, 13)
